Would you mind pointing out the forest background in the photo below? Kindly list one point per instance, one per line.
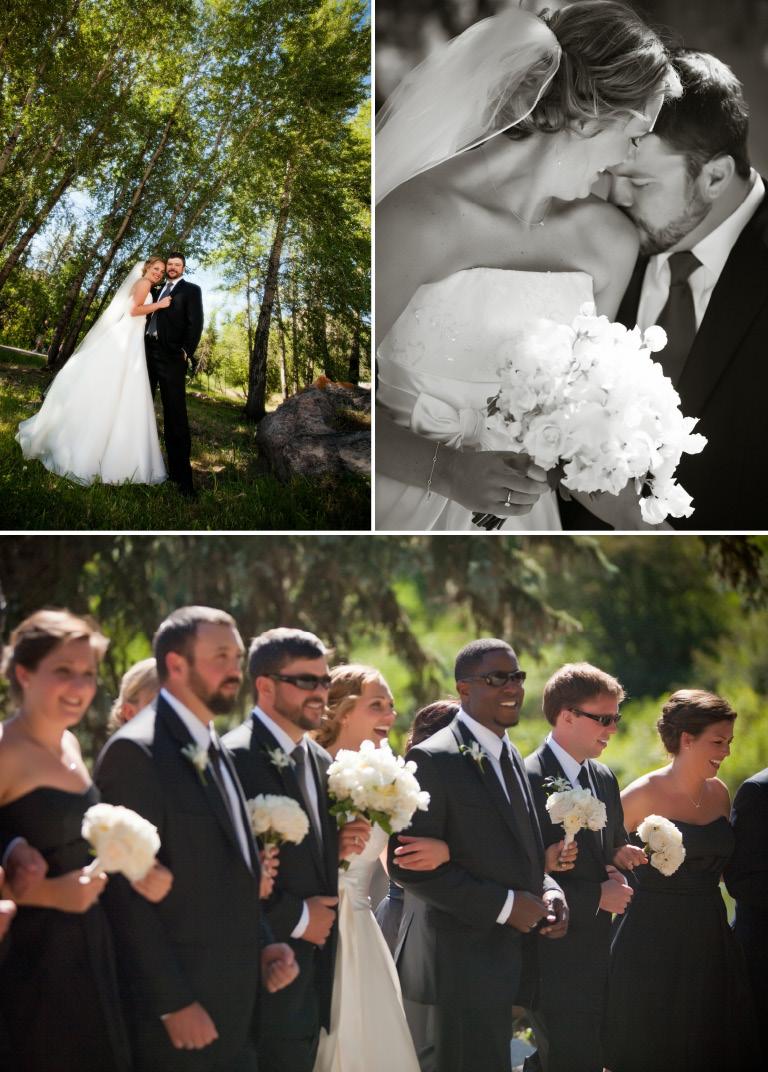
(658, 612)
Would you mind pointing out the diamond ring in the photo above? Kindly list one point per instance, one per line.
(508, 500)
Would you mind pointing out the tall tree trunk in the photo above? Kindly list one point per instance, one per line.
(255, 406)
(354, 356)
(295, 339)
(26, 199)
(39, 218)
(283, 355)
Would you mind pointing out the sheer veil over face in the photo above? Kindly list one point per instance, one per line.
(483, 82)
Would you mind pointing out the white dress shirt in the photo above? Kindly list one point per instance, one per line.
(201, 735)
(713, 251)
(310, 789)
(572, 768)
(492, 745)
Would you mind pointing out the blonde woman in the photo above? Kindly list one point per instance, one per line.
(97, 422)
(368, 1026)
(138, 688)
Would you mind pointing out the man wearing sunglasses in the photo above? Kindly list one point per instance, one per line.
(273, 753)
(581, 704)
(493, 891)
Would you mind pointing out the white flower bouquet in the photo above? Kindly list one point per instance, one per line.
(376, 785)
(121, 839)
(576, 809)
(590, 398)
(276, 819)
(663, 843)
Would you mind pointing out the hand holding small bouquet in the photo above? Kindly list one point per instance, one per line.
(276, 819)
(375, 785)
(590, 398)
(663, 843)
(121, 839)
(574, 809)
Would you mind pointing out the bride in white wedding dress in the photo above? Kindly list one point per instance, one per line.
(368, 1026)
(485, 158)
(98, 421)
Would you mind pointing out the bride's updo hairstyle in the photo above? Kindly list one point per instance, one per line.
(42, 632)
(347, 684)
(611, 64)
(691, 711)
(152, 260)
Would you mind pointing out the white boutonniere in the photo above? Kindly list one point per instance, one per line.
(198, 757)
(279, 758)
(556, 785)
(475, 752)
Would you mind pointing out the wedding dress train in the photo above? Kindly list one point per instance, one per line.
(368, 1026)
(98, 421)
(438, 368)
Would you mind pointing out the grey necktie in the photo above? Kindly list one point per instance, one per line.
(152, 327)
(678, 317)
(299, 757)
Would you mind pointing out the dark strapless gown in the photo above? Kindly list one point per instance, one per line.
(58, 993)
(678, 999)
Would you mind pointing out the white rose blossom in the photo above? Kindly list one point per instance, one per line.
(663, 843)
(576, 809)
(276, 819)
(121, 839)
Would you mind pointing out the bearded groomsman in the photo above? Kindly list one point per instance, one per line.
(191, 964)
(581, 703)
(746, 877)
(273, 753)
(493, 890)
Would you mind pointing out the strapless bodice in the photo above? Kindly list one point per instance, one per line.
(707, 850)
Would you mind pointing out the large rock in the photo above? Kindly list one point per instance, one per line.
(322, 431)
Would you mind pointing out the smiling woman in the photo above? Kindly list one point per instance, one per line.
(360, 708)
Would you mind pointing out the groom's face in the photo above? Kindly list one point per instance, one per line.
(174, 268)
(495, 707)
(653, 187)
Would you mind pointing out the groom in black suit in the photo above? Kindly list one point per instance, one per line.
(274, 754)
(493, 891)
(581, 703)
(191, 965)
(171, 337)
(702, 215)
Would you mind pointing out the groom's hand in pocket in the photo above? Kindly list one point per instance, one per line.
(527, 910)
(322, 914)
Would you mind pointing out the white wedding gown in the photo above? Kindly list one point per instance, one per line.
(98, 421)
(437, 369)
(368, 1026)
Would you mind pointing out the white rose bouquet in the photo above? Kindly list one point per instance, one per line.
(375, 785)
(121, 840)
(276, 819)
(663, 843)
(590, 398)
(576, 809)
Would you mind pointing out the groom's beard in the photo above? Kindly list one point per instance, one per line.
(217, 702)
(659, 239)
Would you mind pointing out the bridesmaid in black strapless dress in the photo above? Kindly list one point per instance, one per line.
(678, 998)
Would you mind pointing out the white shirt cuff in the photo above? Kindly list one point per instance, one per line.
(503, 916)
(10, 849)
(301, 926)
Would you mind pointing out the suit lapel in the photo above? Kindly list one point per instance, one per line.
(327, 821)
(227, 762)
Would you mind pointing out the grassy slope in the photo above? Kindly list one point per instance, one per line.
(234, 491)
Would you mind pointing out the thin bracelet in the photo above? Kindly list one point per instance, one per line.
(432, 471)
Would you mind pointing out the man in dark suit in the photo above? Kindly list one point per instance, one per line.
(191, 965)
(493, 890)
(273, 754)
(746, 877)
(581, 703)
(702, 215)
(171, 337)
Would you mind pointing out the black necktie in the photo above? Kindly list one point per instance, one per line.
(215, 762)
(678, 317)
(519, 805)
(583, 778)
(299, 757)
(152, 326)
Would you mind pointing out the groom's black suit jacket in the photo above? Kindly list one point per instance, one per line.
(306, 870)
(202, 942)
(477, 966)
(746, 877)
(181, 324)
(725, 385)
(574, 969)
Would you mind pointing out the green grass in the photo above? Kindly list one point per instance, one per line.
(235, 492)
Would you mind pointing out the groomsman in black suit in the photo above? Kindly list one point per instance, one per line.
(171, 337)
(702, 214)
(493, 891)
(274, 754)
(581, 703)
(746, 877)
(192, 964)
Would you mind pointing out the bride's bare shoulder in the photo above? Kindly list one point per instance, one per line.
(603, 226)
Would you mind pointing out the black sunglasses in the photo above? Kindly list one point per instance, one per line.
(604, 720)
(307, 682)
(497, 678)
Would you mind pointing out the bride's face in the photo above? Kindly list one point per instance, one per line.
(371, 717)
(155, 272)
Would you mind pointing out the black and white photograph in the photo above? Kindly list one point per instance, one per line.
(185, 265)
(571, 265)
